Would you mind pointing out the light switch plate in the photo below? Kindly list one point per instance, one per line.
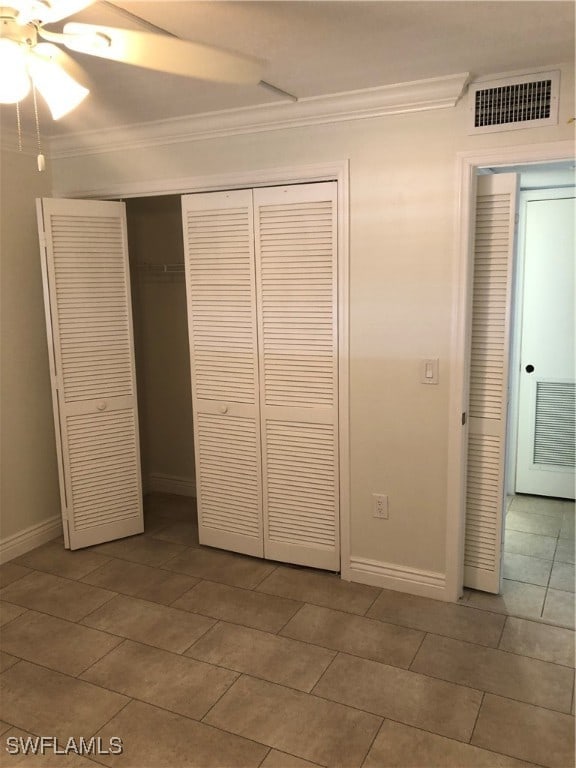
(429, 371)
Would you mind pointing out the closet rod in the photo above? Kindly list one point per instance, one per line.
(161, 269)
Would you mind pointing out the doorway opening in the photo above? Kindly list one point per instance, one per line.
(536, 577)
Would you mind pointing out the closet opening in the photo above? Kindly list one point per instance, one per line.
(156, 253)
(226, 312)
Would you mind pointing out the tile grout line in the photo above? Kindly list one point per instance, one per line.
(122, 708)
(502, 635)
(283, 627)
(476, 718)
(550, 575)
(228, 689)
(367, 611)
(263, 579)
(378, 730)
(261, 763)
(424, 636)
(317, 683)
(83, 618)
(93, 664)
(185, 652)
(208, 629)
(7, 623)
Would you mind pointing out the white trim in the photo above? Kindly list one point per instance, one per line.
(10, 142)
(399, 98)
(343, 216)
(157, 482)
(398, 577)
(30, 538)
(304, 173)
(467, 164)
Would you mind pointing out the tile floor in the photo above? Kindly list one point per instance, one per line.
(196, 657)
(538, 562)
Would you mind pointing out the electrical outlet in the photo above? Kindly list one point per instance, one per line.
(380, 506)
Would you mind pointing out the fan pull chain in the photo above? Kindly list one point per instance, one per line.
(19, 125)
(41, 158)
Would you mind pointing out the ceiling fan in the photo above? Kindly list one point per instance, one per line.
(24, 58)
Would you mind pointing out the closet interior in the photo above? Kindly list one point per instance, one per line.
(161, 349)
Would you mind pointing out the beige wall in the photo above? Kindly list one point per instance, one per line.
(403, 202)
(161, 340)
(29, 476)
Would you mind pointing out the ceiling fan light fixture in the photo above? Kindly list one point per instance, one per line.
(60, 91)
(33, 11)
(13, 59)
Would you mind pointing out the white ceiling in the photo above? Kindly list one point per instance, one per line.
(313, 48)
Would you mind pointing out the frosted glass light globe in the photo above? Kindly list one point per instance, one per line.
(14, 80)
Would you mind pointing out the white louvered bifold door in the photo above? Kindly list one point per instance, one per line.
(90, 341)
(220, 287)
(296, 268)
(494, 242)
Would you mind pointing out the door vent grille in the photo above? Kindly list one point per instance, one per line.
(503, 105)
(555, 423)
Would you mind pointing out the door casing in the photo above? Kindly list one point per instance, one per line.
(302, 174)
(461, 311)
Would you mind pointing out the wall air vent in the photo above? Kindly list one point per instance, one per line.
(526, 101)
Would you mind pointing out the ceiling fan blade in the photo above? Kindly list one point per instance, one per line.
(162, 53)
(47, 11)
(54, 54)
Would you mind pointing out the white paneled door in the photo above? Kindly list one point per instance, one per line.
(261, 269)
(546, 456)
(86, 280)
(494, 243)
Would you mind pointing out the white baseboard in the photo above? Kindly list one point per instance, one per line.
(30, 538)
(397, 577)
(157, 482)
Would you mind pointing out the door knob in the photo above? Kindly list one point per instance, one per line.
(529, 368)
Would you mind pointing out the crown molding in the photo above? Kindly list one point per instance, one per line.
(10, 143)
(415, 96)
